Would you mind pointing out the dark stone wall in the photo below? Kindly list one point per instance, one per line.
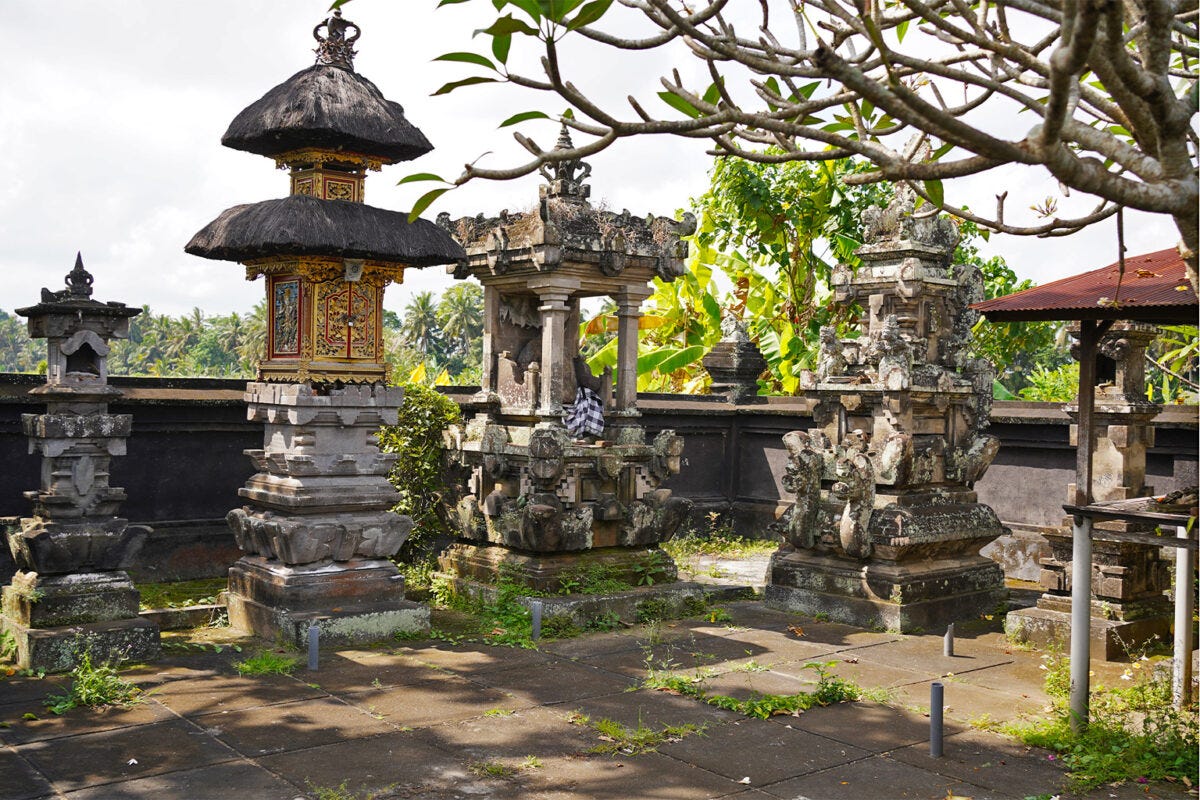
(185, 463)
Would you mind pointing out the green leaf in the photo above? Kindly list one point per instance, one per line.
(569, 114)
(338, 4)
(424, 202)
(650, 361)
(508, 25)
(936, 192)
(421, 176)
(713, 93)
(681, 359)
(555, 10)
(590, 13)
(500, 47)
(808, 89)
(450, 87)
(901, 29)
(447, 2)
(468, 58)
(605, 357)
(522, 117)
(531, 7)
(679, 104)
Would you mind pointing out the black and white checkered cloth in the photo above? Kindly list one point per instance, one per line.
(586, 416)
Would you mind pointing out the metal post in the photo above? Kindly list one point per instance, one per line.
(936, 701)
(948, 642)
(1181, 673)
(535, 608)
(1081, 619)
(314, 639)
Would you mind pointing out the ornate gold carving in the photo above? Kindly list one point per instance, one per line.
(318, 157)
(340, 190)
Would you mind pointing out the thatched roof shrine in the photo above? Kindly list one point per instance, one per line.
(326, 106)
(299, 225)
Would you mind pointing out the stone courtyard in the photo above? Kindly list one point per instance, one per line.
(434, 719)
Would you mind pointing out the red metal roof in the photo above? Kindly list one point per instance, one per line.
(1154, 289)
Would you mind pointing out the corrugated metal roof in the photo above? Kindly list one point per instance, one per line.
(1154, 288)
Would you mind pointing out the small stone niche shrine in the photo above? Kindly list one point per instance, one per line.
(71, 595)
(526, 498)
(317, 531)
(886, 528)
(1130, 581)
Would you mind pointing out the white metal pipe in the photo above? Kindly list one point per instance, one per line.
(1081, 619)
(1181, 674)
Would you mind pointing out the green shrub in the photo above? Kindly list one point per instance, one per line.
(417, 438)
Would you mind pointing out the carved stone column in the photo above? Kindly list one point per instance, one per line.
(629, 312)
(554, 317)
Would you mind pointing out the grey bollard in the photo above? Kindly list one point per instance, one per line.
(314, 639)
(936, 700)
(948, 641)
(535, 608)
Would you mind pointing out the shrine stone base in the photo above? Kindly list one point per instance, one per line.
(351, 602)
(56, 619)
(1049, 625)
(905, 597)
(555, 572)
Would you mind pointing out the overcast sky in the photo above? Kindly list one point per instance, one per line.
(111, 115)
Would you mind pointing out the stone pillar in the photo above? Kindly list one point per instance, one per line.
(71, 594)
(317, 531)
(554, 317)
(629, 311)
(1129, 581)
(491, 316)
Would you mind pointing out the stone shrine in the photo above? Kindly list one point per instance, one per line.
(71, 595)
(523, 495)
(1129, 581)
(317, 530)
(885, 531)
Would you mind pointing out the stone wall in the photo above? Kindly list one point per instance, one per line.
(185, 465)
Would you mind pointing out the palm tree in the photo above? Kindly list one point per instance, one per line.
(460, 313)
(420, 327)
(253, 347)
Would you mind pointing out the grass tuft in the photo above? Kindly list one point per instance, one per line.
(267, 663)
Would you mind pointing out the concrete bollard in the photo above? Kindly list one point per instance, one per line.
(314, 644)
(948, 641)
(535, 608)
(936, 701)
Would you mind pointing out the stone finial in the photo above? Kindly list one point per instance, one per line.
(565, 178)
(335, 48)
(79, 280)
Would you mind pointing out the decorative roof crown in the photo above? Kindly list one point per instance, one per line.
(565, 178)
(335, 48)
(79, 281)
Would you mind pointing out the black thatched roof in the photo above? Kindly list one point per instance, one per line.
(328, 107)
(299, 225)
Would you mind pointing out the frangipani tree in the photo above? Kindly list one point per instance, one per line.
(1101, 94)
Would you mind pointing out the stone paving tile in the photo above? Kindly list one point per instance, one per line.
(685, 653)
(555, 682)
(231, 693)
(965, 702)
(653, 709)
(538, 732)
(406, 762)
(742, 684)
(18, 778)
(291, 726)
(774, 645)
(756, 616)
(359, 671)
(18, 691)
(431, 702)
(764, 753)
(864, 673)
(592, 644)
(877, 778)
(988, 761)
(870, 726)
(234, 779)
(469, 660)
(82, 720)
(76, 762)
(651, 776)
(924, 654)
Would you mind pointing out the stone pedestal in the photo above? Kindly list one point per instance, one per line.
(555, 572)
(1130, 606)
(886, 529)
(734, 363)
(71, 594)
(317, 531)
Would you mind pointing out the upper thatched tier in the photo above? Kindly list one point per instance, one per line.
(298, 225)
(328, 107)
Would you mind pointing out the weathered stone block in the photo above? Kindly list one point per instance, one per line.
(58, 649)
